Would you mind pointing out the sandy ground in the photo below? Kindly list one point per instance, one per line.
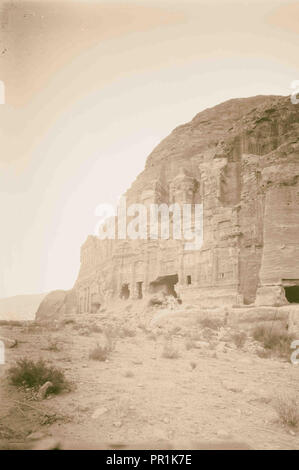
(137, 396)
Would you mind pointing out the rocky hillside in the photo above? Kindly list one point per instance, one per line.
(257, 125)
(20, 307)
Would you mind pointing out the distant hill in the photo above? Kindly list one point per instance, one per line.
(20, 307)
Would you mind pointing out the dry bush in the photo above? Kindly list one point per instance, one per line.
(239, 338)
(212, 323)
(274, 339)
(30, 374)
(288, 410)
(169, 351)
(101, 351)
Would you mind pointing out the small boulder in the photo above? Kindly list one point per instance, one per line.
(9, 343)
(42, 393)
(99, 412)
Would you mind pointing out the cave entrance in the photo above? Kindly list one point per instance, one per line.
(292, 294)
(125, 291)
(165, 284)
(139, 290)
(188, 280)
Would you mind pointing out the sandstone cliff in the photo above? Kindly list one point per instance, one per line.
(240, 160)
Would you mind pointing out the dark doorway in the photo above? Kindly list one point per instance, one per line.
(125, 291)
(165, 284)
(188, 280)
(139, 290)
(292, 294)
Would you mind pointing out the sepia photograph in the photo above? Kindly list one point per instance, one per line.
(149, 234)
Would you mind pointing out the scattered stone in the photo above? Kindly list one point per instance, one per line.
(99, 412)
(117, 424)
(9, 343)
(42, 393)
(34, 436)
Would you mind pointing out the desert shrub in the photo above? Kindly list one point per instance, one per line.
(102, 351)
(287, 408)
(239, 339)
(275, 339)
(213, 323)
(30, 374)
(99, 353)
(169, 351)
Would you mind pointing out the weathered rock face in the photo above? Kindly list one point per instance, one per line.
(241, 161)
(57, 304)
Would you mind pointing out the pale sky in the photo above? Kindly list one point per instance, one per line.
(92, 87)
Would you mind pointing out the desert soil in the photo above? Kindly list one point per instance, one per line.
(208, 393)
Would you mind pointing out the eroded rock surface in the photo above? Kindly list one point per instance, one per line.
(240, 160)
